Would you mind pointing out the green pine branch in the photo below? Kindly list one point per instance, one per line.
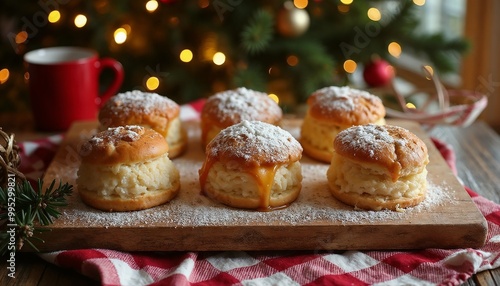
(258, 33)
(24, 209)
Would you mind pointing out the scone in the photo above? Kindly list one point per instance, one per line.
(226, 108)
(333, 109)
(252, 165)
(378, 167)
(126, 168)
(146, 109)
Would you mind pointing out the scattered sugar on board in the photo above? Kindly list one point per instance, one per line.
(191, 209)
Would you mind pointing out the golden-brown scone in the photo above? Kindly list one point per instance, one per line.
(252, 165)
(378, 167)
(333, 109)
(126, 168)
(226, 108)
(149, 110)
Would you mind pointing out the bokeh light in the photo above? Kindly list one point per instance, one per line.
(54, 16)
(21, 37)
(152, 83)
(4, 75)
(274, 97)
(80, 21)
(219, 58)
(350, 66)
(419, 2)
(186, 55)
(374, 14)
(120, 35)
(151, 5)
(292, 60)
(394, 49)
(301, 4)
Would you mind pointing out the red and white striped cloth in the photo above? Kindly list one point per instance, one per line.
(419, 267)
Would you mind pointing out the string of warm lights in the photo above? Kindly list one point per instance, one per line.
(210, 52)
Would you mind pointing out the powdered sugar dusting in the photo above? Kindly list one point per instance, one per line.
(138, 101)
(368, 137)
(250, 139)
(243, 104)
(129, 133)
(191, 209)
(334, 98)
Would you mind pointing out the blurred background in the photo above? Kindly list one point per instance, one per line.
(187, 50)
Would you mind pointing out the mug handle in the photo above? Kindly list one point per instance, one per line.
(117, 68)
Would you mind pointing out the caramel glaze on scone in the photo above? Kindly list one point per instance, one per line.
(378, 167)
(252, 165)
(333, 109)
(126, 168)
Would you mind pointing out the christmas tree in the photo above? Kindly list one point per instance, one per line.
(191, 49)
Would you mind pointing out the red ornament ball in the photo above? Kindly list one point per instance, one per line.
(378, 73)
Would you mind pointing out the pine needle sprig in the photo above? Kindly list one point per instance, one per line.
(257, 35)
(26, 229)
(23, 230)
(31, 208)
(43, 203)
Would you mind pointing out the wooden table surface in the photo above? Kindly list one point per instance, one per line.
(477, 150)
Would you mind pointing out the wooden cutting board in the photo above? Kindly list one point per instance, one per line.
(315, 221)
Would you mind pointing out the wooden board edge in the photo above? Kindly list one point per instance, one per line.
(256, 238)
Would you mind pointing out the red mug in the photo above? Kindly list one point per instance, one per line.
(64, 85)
